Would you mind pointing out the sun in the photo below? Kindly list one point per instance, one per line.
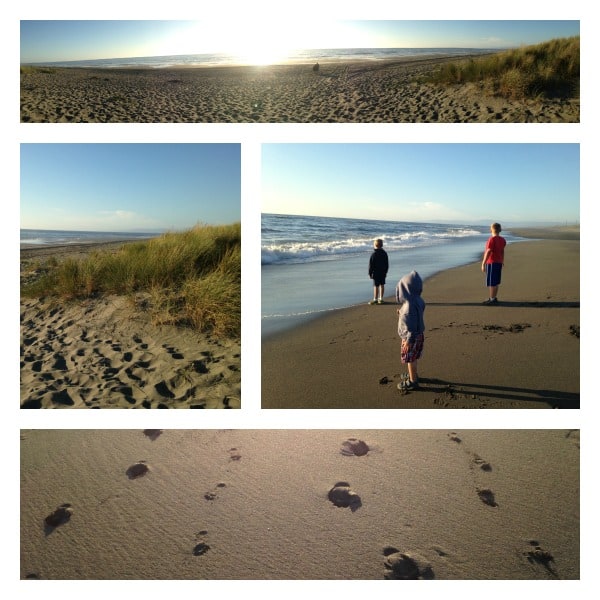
(260, 55)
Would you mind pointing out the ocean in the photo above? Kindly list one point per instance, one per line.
(297, 57)
(45, 237)
(313, 265)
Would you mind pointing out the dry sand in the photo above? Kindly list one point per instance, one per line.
(381, 91)
(523, 353)
(106, 353)
(253, 504)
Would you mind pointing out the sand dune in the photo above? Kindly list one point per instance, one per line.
(256, 504)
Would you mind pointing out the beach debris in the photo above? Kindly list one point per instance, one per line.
(316, 68)
(574, 330)
(384, 380)
(354, 447)
(153, 434)
(487, 497)
(343, 497)
(402, 565)
(60, 516)
(139, 469)
(454, 438)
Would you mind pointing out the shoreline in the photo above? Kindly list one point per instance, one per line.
(475, 356)
(386, 90)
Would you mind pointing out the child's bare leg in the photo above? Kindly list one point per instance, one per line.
(412, 372)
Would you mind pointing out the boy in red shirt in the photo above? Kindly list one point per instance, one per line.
(493, 261)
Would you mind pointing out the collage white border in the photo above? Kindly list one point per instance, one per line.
(251, 136)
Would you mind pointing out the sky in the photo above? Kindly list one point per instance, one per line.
(129, 187)
(460, 183)
(55, 40)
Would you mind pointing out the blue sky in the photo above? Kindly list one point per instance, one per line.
(129, 187)
(465, 183)
(82, 40)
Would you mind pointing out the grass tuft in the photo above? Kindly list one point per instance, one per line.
(548, 70)
(190, 278)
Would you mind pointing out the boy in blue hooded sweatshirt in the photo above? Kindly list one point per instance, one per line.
(411, 326)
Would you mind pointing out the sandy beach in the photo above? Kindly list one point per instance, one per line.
(105, 352)
(523, 353)
(258, 504)
(362, 92)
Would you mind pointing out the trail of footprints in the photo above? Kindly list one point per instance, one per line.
(398, 564)
(476, 464)
(125, 372)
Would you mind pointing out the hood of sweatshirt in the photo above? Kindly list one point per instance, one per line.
(409, 287)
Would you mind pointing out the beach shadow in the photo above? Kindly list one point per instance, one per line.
(502, 303)
(554, 398)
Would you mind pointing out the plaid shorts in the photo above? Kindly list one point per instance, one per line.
(411, 351)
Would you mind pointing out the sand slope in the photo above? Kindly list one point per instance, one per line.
(100, 353)
(253, 504)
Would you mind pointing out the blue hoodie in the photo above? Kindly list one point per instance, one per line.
(410, 317)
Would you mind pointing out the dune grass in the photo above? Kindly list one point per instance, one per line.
(190, 278)
(549, 70)
(29, 69)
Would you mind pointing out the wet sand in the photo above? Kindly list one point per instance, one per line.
(361, 92)
(107, 352)
(258, 504)
(523, 353)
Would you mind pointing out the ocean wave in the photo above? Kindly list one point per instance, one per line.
(305, 251)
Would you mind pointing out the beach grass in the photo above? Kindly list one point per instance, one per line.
(190, 278)
(28, 69)
(549, 70)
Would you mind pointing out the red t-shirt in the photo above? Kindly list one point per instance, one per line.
(496, 245)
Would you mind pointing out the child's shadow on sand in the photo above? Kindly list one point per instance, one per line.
(555, 399)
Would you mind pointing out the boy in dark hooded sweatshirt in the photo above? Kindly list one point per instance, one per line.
(411, 326)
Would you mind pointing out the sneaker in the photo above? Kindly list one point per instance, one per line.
(380, 301)
(491, 301)
(408, 385)
(371, 302)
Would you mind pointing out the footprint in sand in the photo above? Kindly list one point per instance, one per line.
(153, 434)
(212, 494)
(487, 497)
(234, 454)
(402, 565)
(343, 497)
(354, 447)
(139, 469)
(537, 555)
(173, 352)
(59, 517)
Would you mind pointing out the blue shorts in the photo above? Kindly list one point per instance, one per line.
(493, 274)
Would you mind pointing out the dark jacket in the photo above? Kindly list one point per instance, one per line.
(378, 262)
